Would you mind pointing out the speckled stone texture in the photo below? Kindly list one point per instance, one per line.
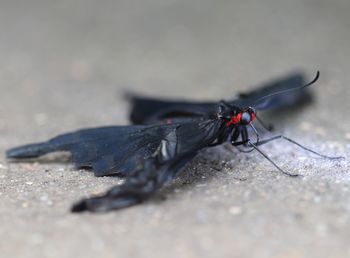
(65, 64)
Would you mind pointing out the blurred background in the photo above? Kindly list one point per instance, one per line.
(65, 64)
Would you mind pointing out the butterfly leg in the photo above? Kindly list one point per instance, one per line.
(222, 138)
(245, 139)
(255, 146)
(298, 144)
(246, 142)
(271, 161)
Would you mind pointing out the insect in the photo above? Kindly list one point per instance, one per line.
(165, 136)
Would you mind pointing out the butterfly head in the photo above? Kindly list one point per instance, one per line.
(243, 117)
(236, 116)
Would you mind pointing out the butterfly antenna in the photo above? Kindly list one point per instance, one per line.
(271, 161)
(289, 90)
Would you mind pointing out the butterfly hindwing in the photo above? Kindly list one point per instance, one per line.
(175, 149)
(149, 110)
(146, 110)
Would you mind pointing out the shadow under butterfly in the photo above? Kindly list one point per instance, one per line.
(165, 135)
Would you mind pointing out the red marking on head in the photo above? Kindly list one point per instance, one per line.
(253, 116)
(234, 119)
(237, 119)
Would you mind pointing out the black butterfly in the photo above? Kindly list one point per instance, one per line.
(166, 136)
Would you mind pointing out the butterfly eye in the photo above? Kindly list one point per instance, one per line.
(252, 113)
(246, 118)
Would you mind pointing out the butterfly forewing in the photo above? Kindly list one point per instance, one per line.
(149, 110)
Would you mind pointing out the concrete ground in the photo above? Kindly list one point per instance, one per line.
(64, 65)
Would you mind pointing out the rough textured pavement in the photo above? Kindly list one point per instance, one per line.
(64, 65)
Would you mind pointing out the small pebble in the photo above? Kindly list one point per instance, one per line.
(320, 131)
(335, 144)
(302, 158)
(44, 198)
(235, 210)
(347, 136)
(322, 229)
(201, 216)
(305, 126)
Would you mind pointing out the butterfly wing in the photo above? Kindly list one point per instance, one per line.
(149, 156)
(107, 150)
(281, 100)
(149, 110)
(176, 148)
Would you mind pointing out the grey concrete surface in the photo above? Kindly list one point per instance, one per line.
(63, 66)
